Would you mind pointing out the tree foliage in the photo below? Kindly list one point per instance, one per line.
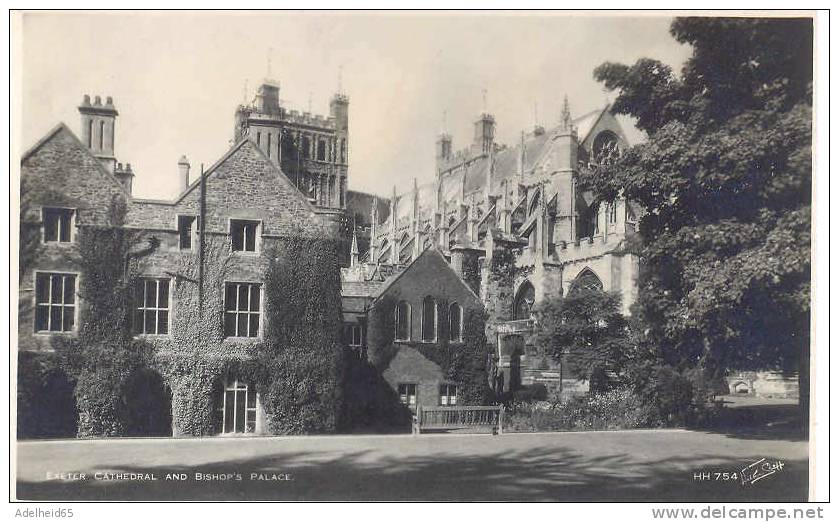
(724, 183)
(587, 332)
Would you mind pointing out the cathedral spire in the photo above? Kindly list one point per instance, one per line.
(354, 247)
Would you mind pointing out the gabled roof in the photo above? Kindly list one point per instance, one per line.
(61, 126)
(271, 165)
(433, 251)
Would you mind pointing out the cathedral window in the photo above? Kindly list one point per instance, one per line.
(321, 150)
(524, 301)
(186, 224)
(343, 151)
(55, 302)
(448, 395)
(101, 135)
(455, 323)
(90, 134)
(429, 319)
(587, 281)
(242, 309)
(269, 145)
(606, 148)
(403, 321)
(58, 225)
(305, 144)
(244, 235)
(151, 307)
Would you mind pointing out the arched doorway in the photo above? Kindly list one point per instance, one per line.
(523, 303)
(148, 402)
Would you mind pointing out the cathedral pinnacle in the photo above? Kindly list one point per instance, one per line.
(565, 116)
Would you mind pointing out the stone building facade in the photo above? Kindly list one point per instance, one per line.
(513, 223)
(426, 307)
(241, 208)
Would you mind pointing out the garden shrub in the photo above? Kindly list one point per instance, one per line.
(619, 408)
(46, 407)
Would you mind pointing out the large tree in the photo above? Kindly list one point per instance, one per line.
(724, 181)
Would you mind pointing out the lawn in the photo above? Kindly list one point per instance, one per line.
(592, 466)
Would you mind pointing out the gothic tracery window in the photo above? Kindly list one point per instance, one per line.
(524, 301)
(606, 148)
(587, 281)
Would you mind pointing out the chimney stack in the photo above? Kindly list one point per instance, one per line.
(98, 127)
(183, 173)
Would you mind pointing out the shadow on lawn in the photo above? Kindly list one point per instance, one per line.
(532, 475)
(760, 422)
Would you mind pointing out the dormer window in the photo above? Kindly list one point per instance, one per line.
(243, 235)
(58, 225)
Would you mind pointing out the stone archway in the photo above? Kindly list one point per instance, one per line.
(148, 403)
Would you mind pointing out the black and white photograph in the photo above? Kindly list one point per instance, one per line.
(415, 256)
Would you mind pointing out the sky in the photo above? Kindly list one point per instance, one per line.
(176, 78)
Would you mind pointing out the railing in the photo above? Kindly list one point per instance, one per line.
(459, 417)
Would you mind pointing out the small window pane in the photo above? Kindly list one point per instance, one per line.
(243, 298)
(151, 294)
(163, 295)
(64, 224)
(230, 324)
(254, 325)
(150, 322)
(242, 325)
(42, 318)
(230, 297)
(55, 318)
(50, 226)
(185, 232)
(69, 318)
(238, 238)
(69, 290)
(255, 299)
(57, 285)
(139, 324)
(250, 238)
(42, 292)
(163, 322)
(252, 400)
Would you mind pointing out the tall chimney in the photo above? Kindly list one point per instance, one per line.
(98, 126)
(183, 173)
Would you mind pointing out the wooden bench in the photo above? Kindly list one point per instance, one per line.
(459, 417)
